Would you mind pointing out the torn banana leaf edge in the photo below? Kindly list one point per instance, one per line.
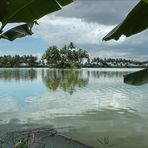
(18, 32)
(25, 11)
(135, 22)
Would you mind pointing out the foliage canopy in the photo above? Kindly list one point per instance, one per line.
(12, 11)
(66, 57)
(135, 22)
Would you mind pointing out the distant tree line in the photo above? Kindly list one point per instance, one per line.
(66, 57)
(116, 62)
(18, 61)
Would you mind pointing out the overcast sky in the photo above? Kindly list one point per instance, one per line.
(84, 22)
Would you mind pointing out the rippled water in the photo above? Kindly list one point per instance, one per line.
(86, 104)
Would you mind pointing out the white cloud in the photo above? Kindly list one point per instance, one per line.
(58, 30)
(111, 53)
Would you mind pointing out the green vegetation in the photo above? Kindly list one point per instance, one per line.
(23, 143)
(13, 12)
(18, 74)
(18, 61)
(105, 142)
(67, 57)
(137, 78)
(66, 80)
(135, 22)
(118, 62)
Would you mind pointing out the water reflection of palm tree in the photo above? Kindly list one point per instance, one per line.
(67, 80)
(18, 74)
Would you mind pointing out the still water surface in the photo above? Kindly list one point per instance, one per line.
(86, 104)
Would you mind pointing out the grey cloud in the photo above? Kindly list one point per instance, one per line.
(134, 47)
(108, 12)
(115, 52)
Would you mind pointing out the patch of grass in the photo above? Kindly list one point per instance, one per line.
(23, 143)
(105, 141)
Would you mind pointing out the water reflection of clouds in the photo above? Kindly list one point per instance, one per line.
(59, 104)
(48, 106)
(101, 104)
(113, 99)
(7, 105)
(88, 95)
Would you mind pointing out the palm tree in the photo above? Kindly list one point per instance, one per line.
(55, 55)
(82, 54)
(52, 56)
(71, 45)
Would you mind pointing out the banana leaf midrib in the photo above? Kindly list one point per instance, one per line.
(19, 10)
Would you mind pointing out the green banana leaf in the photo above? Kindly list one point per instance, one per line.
(135, 22)
(137, 78)
(18, 11)
(12, 11)
(64, 2)
(18, 32)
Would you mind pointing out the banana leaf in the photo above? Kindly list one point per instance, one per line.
(137, 78)
(64, 2)
(18, 32)
(18, 11)
(3, 10)
(12, 11)
(135, 22)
